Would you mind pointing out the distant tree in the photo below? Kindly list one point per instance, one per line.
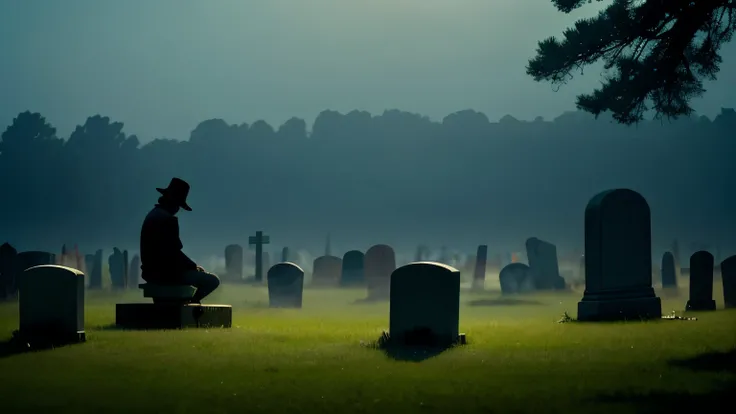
(657, 52)
(294, 128)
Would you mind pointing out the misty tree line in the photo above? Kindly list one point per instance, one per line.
(100, 174)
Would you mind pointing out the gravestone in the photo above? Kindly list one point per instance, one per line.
(668, 274)
(258, 241)
(543, 264)
(326, 271)
(134, 272)
(95, 276)
(234, 262)
(117, 269)
(8, 271)
(424, 307)
(285, 255)
(379, 262)
(51, 303)
(479, 273)
(728, 278)
(701, 282)
(285, 285)
(353, 271)
(515, 278)
(618, 259)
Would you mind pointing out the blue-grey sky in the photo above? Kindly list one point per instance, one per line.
(161, 66)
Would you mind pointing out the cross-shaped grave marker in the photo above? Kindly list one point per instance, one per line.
(259, 240)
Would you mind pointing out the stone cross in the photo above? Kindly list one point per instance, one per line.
(258, 241)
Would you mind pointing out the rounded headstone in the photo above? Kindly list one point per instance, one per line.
(326, 271)
(515, 278)
(701, 282)
(285, 285)
(668, 274)
(353, 270)
(379, 262)
(425, 303)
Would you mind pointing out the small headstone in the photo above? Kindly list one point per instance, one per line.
(543, 264)
(479, 273)
(285, 285)
(425, 304)
(134, 272)
(353, 271)
(326, 271)
(51, 303)
(126, 271)
(669, 276)
(728, 278)
(234, 262)
(89, 264)
(379, 262)
(515, 278)
(285, 254)
(701, 282)
(618, 259)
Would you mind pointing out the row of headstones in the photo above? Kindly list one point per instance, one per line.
(701, 272)
(123, 273)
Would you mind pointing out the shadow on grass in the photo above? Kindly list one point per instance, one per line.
(17, 345)
(664, 402)
(417, 346)
(503, 302)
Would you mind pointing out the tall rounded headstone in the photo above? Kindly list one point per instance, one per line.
(234, 262)
(701, 282)
(728, 278)
(668, 273)
(379, 263)
(618, 259)
(425, 304)
(285, 285)
(353, 271)
(515, 278)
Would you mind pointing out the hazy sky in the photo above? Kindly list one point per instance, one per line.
(161, 66)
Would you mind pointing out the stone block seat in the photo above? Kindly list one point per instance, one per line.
(178, 294)
(171, 310)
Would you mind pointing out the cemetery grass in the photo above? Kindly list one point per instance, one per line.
(518, 359)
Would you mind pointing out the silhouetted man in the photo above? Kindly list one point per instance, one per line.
(162, 260)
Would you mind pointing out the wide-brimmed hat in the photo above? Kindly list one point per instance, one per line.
(177, 191)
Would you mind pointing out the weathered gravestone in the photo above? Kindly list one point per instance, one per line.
(285, 285)
(479, 273)
(95, 275)
(8, 271)
(728, 278)
(353, 271)
(285, 254)
(234, 262)
(379, 262)
(424, 307)
(51, 304)
(668, 273)
(326, 271)
(701, 282)
(134, 272)
(515, 278)
(543, 265)
(117, 269)
(618, 259)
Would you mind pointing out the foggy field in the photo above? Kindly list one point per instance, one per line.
(518, 358)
